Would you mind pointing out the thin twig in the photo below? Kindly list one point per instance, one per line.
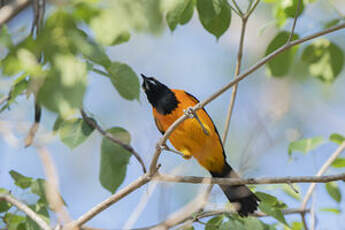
(304, 222)
(263, 61)
(312, 186)
(37, 23)
(251, 10)
(28, 211)
(109, 201)
(322, 171)
(10, 10)
(4, 99)
(93, 123)
(237, 7)
(208, 213)
(238, 181)
(237, 72)
(196, 205)
(154, 166)
(34, 128)
(294, 21)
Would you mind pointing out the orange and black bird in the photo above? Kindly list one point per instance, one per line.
(191, 139)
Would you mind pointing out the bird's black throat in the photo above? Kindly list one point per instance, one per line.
(159, 95)
(162, 99)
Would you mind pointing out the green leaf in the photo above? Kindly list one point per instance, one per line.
(37, 187)
(290, 7)
(325, 60)
(125, 80)
(338, 163)
(337, 138)
(124, 16)
(333, 210)
(294, 226)
(214, 223)
(19, 86)
(13, 221)
(253, 223)
(42, 212)
(85, 12)
(305, 145)
(290, 192)
(332, 22)
(214, 15)
(186, 228)
(10, 65)
(5, 37)
(285, 9)
(180, 13)
(121, 38)
(20, 180)
(91, 50)
(114, 159)
(280, 65)
(4, 206)
(272, 206)
(333, 190)
(64, 88)
(73, 132)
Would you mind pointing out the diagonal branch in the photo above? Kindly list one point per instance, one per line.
(52, 186)
(237, 72)
(28, 211)
(91, 122)
(10, 10)
(153, 166)
(238, 181)
(294, 21)
(322, 171)
(242, 76)
(109, 201)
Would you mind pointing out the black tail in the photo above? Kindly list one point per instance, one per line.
(239, 194)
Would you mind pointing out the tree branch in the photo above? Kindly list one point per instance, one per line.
(109, 201)
(237, 72)
(323, 169)
(10, 10)
(238, 181)
(209, 213)
(52, 186)
(93, 123)
(263, 61)
(153, 166)
(28, 211)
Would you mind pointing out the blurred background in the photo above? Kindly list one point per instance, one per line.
(269, 113)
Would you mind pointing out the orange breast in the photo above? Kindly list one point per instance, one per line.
(189, 137)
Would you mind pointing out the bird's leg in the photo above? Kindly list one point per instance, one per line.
(165, 147)
(192, 114)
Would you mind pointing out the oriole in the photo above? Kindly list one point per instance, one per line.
(191, 139)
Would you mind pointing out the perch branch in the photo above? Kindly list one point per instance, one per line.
(238, 181)
(10, 10)
(28, 211)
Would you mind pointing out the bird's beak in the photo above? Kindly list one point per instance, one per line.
(144, 85)
(144, 77)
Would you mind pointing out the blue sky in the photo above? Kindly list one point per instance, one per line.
(269, 113)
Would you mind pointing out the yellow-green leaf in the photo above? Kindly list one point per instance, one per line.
(333, 190)
(305, 145)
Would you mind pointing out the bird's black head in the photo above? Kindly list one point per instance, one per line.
(159, 95)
